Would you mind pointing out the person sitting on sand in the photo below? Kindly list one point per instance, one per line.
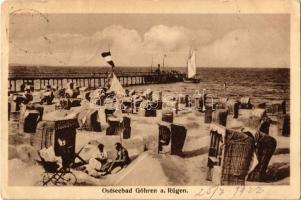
(98, 160)
(122, 159)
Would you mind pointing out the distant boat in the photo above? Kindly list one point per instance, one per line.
(191, 70)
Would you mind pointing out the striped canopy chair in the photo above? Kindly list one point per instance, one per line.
(57, 126)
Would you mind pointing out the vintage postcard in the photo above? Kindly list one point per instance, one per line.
(150, 99)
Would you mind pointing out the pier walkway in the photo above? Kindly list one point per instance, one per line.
(92, 80)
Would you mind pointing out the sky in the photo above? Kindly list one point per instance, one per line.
(220, 40)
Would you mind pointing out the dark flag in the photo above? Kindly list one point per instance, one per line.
(107, 56)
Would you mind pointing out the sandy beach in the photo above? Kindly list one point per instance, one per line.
(158, 169)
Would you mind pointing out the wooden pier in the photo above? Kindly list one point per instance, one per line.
(94, 80)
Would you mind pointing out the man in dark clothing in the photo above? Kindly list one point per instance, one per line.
(122, 159)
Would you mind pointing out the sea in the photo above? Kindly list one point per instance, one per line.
(261, 84)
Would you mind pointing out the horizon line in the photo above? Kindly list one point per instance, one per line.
(20, 65)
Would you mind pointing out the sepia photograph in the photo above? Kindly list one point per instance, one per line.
(149, 99)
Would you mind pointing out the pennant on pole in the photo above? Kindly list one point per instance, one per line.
(107, 56)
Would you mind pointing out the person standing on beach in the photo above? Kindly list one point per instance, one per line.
(225, 85)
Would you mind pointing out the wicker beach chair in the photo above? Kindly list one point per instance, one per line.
(233, 107)
(283, 124)
(29, 121)
(56, 126)
(237, 157)
(219, 116)
(265, 148)
(167, 116)
(164, 135)
(245, 103)
(231, 152)
(115, 126)
(276, 108)
(178, 135)
(88, 120)
(126, 124)
(208, 115)
(150, 110)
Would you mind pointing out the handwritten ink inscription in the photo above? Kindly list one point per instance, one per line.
(218, 191)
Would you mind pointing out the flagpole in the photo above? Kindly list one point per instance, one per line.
(152, 64)
(163, 62)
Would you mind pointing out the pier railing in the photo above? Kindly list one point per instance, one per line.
(92, 80)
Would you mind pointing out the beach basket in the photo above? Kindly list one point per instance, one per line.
(178, 135)
(277, 107)
(265, 125)
(219, 116)
(127, 133)
(65, 104)
(109, 112)
(114, 126)
(36, 106)
(75, 102)
(87, 95)
(208, 115)
(150, 110)
(221, 104)
(126, 121)
(230, 155)
(29, 121)
(233, 107)
(245, 103)
(186, 100)
(16, 103)
(283, 124)
(49, 132)
(251, 118)
(47, 98)
(237, 157)
(182, 99)
(88, 120)
(217, 133)
(164, 135)
(127, 105)
(197, 103)
(167, 116)
(265, 148)
(159, 104)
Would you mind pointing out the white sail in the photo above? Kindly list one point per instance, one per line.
(191, 66)
(116, 86)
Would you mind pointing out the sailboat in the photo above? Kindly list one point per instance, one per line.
(191, 69)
